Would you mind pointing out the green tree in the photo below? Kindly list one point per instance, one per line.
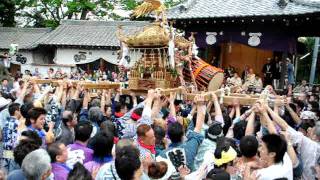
(7, 13)
(49, 13)
(171, 3)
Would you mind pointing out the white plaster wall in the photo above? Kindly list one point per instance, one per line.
(43, 69)
(66, 55)
(32, 63)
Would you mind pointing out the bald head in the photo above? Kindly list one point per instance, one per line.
(67, 114)
(124, 143)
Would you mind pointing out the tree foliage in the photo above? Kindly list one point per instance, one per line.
(49, 13)
(7, 12)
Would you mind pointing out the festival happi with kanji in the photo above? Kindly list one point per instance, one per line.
(159, 89)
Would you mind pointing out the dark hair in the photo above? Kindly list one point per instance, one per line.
(74, 106)
(177, 102)
(32, 135)
(95, 114)
(118, 106)
(95, 102)
(24, 147)
(35, 113)
(142, 130)
(218, 174)
(165, 113)
(138, 111)
(160, 134)
(293, 107)
(108, 126)
(21, 82)
(13, 108)
(79, 172)
(127, 162)
(83, 131)
(227, 122)
(315, 106)
(243, 109)
(239, 129)
(54, 150)
(67, 118)
(4, 79)
(299, 103)
(175, 132)
(276, 144)
(157, 170)
(249, 146)
(214, 129)
(101, 144)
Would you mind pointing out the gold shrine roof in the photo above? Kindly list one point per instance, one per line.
(152, 35)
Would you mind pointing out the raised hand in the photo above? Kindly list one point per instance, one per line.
(172, 97)
(199, 100)
(151, 94)
(104, 92)
(183, 170)
(214, 96)
(132, 94)
(236, 102)
(278, 102)
(51, 125)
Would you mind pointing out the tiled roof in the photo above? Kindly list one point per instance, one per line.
(191, 9)
(26, 38)
(90, 33)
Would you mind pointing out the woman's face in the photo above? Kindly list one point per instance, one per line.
(251, 71)
(39, 123)
(108, 112)
(311, 99)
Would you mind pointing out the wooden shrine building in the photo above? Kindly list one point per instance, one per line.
(246, 32)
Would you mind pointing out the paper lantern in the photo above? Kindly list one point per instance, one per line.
(211, 38)
(254, 39)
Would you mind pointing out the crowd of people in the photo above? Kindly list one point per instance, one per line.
(66, 132)
(272, 71)
(75, 74)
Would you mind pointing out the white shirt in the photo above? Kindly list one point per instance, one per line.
(235, 81)
(16, 85)
(6, 63)
(308, 149)
(279, 170)
(208, 158)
